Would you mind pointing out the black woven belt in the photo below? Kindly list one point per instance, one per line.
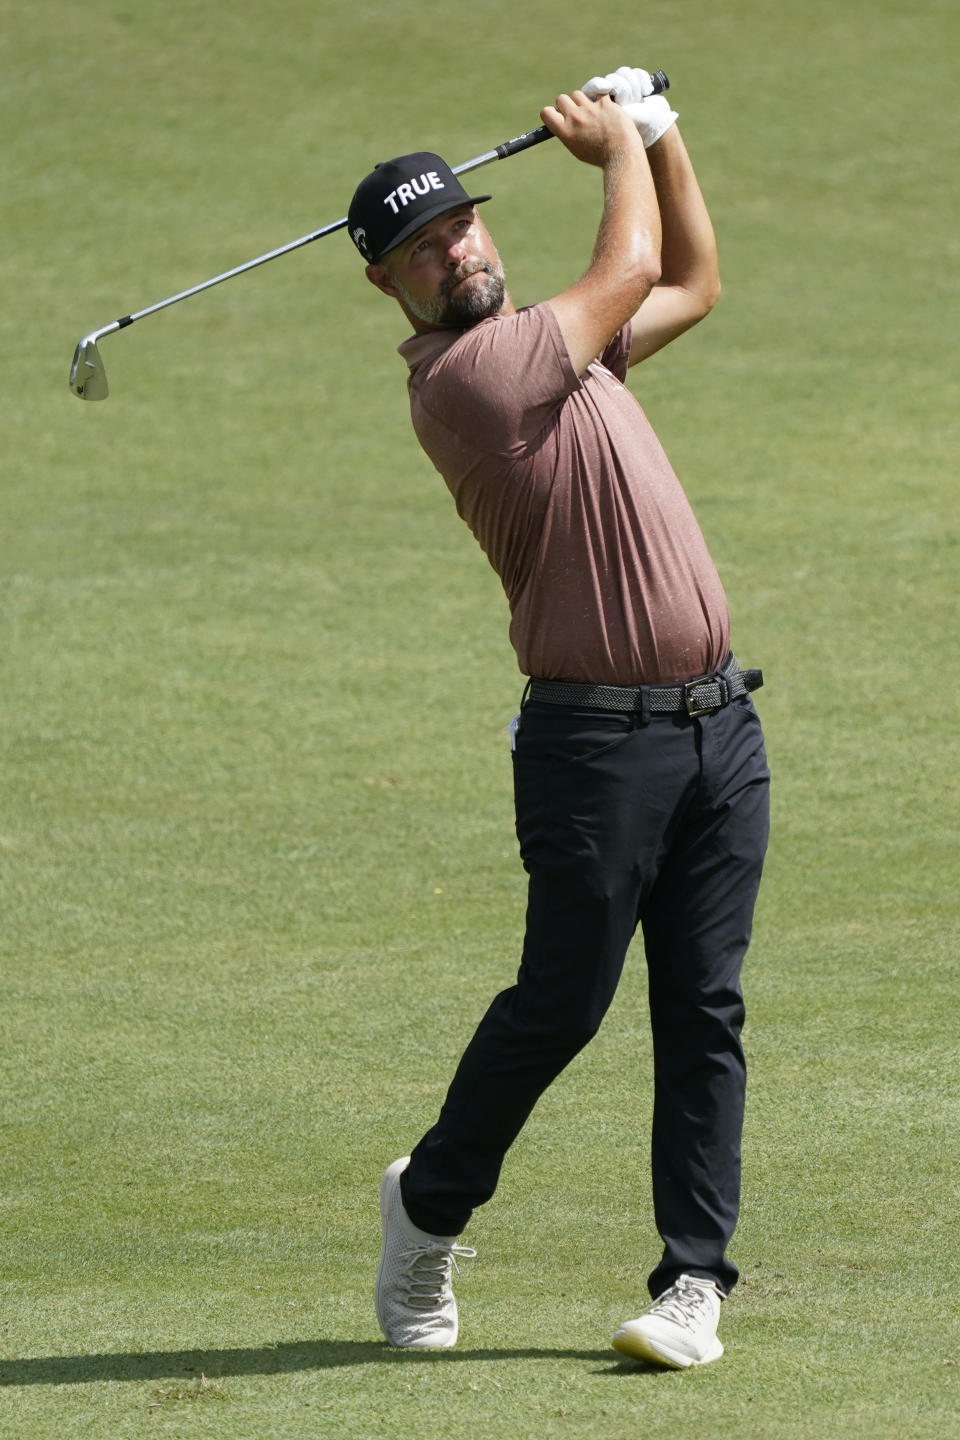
(694, 697)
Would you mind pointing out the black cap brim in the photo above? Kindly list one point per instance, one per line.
(426, 216)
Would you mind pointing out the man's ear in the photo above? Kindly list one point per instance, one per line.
(380, 277)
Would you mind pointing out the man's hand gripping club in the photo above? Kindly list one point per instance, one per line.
(633, 91)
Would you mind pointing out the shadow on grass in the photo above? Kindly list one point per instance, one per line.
(284, 1358)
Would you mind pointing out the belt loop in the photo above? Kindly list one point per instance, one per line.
(526, 694)
(642, 711)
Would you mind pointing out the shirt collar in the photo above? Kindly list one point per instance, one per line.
(433, 343)
(428, 346)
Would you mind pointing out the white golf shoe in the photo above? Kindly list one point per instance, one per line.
(414, 1297)
(679, 1329)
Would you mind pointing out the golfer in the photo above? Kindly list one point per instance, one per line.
(640, 778)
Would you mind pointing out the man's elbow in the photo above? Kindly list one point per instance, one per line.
(653, 271)
(708, 296)
(645, 277)
(699, 300)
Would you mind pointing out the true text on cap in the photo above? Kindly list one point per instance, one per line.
(408, 191)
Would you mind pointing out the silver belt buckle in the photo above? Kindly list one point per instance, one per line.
(689, 703)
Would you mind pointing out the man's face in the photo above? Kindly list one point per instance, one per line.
(447, 274)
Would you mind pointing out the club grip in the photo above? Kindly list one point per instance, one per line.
(523, 142)
(658, 79)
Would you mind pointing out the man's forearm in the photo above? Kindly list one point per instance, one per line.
(688, 251)
(626, 261)
(629, 236)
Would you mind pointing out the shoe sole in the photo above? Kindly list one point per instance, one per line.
(638, 1347)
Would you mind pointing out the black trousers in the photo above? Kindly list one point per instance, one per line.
(623, 821)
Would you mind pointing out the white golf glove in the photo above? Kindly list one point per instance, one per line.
(633, 91)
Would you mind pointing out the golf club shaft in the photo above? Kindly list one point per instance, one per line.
(500, 152)
(229, 274)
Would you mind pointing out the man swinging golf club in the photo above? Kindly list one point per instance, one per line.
(640, 778)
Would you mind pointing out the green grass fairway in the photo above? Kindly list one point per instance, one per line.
(256, 838)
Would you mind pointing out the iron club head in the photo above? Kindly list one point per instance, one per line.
(88, 378)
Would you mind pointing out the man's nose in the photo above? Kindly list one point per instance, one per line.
(456, 250)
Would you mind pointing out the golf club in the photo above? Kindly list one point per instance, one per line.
(88, 378)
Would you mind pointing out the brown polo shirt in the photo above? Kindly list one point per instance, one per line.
(566, 487)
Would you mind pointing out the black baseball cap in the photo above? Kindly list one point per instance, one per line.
(398, 197)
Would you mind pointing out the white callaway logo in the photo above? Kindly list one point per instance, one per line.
(408, 192)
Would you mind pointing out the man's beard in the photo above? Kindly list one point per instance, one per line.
(458, 309)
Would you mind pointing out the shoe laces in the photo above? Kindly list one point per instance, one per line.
(686, 1302)
(427, 1272)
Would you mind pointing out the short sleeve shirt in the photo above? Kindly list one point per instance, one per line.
(567, 489)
